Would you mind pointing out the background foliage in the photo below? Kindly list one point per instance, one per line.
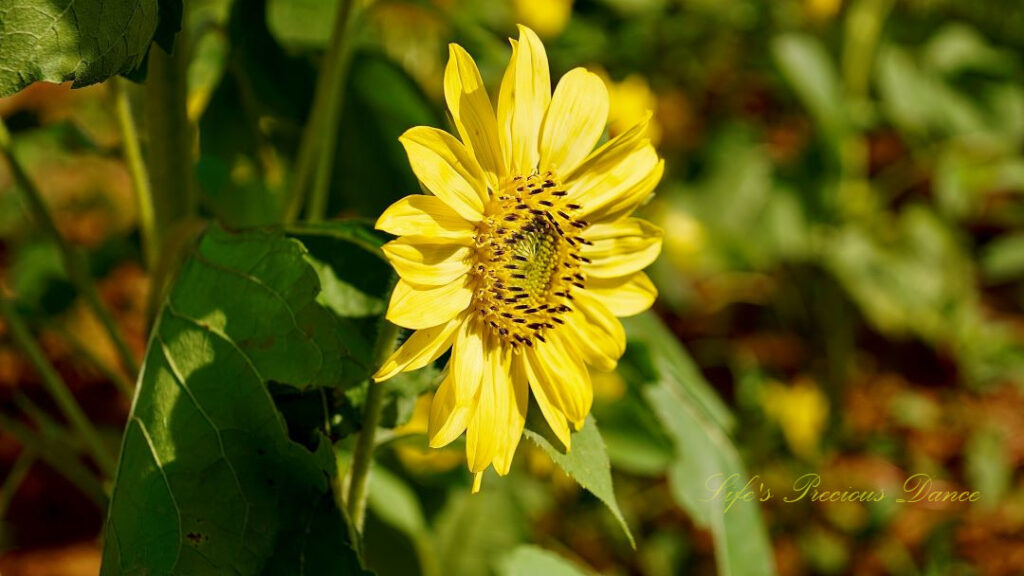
(191, 290)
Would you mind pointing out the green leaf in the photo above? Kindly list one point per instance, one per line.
(806, 65)
(471, 528)
(693, 417)
(83, 41)
(209, 480)
(530, 560)
(1003, 258)
(302, 24)
(587, 463)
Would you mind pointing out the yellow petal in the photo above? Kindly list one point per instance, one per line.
(472, 113)
(510, 425)
(617, 177)
(428, 261)
(574, 122)
(425, 215)
(422, 348)
(564, 376)
(447, 419)
(447, 169)
(600, 338)
(419, 307)
(620, 248)
(624, 296)
(467, 363)
(522, 102)
(484, 431)
(521, 370)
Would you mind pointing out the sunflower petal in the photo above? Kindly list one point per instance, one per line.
(423, 307)
(601, 339)
(521, 370)
(522, 102)
(447, 418)
(425, 215)
(574, 122)
(483, 434)
(624, 296)
(472, 113)
(427, 261)
(621, 248)
(617, 177)
(420, 349)
(467, 363)
(447, 170)
(564, 375)
(512, 422)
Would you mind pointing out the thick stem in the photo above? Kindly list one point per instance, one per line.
(74, 262)
(170, 136)
(319, 140)
(137, 171)
(57, 389)
(362, 458)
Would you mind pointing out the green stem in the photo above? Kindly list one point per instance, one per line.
(170, 136)
(319, 140)
(56, 387)
(74, 262)
(55, 455)
(137, 171)
(363, 455)
(113, 374)
(17, 475)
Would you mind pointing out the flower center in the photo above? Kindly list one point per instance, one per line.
(528, 259)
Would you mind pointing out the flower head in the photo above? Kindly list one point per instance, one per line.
(523, 254)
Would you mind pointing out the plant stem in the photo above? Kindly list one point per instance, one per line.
(320, 137)
(54, 454)
(15, 477)
(363, 455)
(139, 174)
(170, 136)
(58, 390)
(74, 262)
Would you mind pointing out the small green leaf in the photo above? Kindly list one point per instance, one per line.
(83, 41)
(587, 463)
(210, 481)
(530, 560)
(470, 528)
(806, 65)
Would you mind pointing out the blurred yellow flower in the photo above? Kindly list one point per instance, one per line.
(822, 9)
(524, 253)
(801, 411)
(419, 457)
(547, 17)
(631, 100)
(685, 237)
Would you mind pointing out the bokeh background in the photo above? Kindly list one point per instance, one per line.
(843, 209)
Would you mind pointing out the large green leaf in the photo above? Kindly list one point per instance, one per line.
(209, 480)
(83, 41)
(693, 417)
(587, 463)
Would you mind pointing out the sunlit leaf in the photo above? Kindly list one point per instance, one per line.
(587, 463)
(531, 560)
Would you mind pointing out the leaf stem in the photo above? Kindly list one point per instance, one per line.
(115, 376)
(137, 171)
(319, 140)
(74, 262)
(17, 474)
(363, 455)
(57, 388)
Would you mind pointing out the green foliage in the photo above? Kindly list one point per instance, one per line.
(530, 560)
(206, 455)
(587, 463)
(83, 41)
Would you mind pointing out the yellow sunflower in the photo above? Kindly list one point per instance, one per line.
(523, 254)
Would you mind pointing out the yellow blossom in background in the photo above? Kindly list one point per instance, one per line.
(608, 386)
(631, 100)
(685, 236)
(801, 411)
(546, 17)
(418, 457)
(822, 9)
(523, 254)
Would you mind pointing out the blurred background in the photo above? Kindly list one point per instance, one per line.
(843, 209)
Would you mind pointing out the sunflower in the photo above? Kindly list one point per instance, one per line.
(523, 253)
